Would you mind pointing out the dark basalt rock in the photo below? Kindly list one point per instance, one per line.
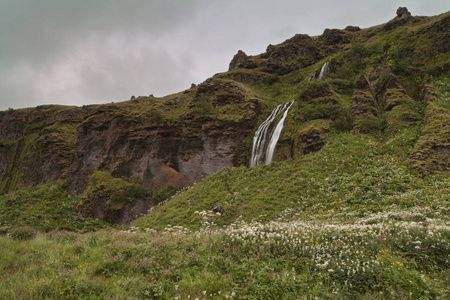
(403, 17)
(238, 60)
(352, 28)
(335, 37)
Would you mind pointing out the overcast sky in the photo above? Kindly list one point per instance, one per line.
(96, 51)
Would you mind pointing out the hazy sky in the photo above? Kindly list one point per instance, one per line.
(79, 52)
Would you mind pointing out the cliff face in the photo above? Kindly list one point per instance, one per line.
(37, 145)
(159, 155)
(143, 138)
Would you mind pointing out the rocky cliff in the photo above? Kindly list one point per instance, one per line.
(142, 138)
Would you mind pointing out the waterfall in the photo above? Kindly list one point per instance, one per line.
(323, 70)
(261, 150)
(276, 135)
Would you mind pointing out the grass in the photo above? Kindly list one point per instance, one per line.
(45, 207)
(389, 255)
(351, 173)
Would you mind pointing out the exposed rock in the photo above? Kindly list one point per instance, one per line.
(193, 85)
(238, 60)
(219, 209)
(160, 156)
(132, 97)
(270, 48)
(163, 155)
(335, 37)
(403, 17)
(352, 28)
(284, 58)
(311, 138)
(403, 13)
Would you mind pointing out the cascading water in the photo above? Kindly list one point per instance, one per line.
(323, 70)
(261, 150)
(276, 135)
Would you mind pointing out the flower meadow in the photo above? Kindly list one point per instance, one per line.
(392, 255)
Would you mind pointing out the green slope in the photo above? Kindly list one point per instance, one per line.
(350, 176)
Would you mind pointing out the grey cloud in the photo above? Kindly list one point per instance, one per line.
(79, 52)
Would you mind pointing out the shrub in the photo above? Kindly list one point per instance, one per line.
(204, 107)
(22, 233)
(156, 117)
(313, 89)
(271, 79)
(343, 121)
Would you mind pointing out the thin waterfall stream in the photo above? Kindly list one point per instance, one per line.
(263, 148)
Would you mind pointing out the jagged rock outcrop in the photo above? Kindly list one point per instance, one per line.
(166, 155)
(312, 137)
(238, 60)
(283, 58)
(352, 28)
(335, 37)
(403, 17)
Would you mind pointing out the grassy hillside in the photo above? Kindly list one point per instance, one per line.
(350, 176)
(44, 208)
